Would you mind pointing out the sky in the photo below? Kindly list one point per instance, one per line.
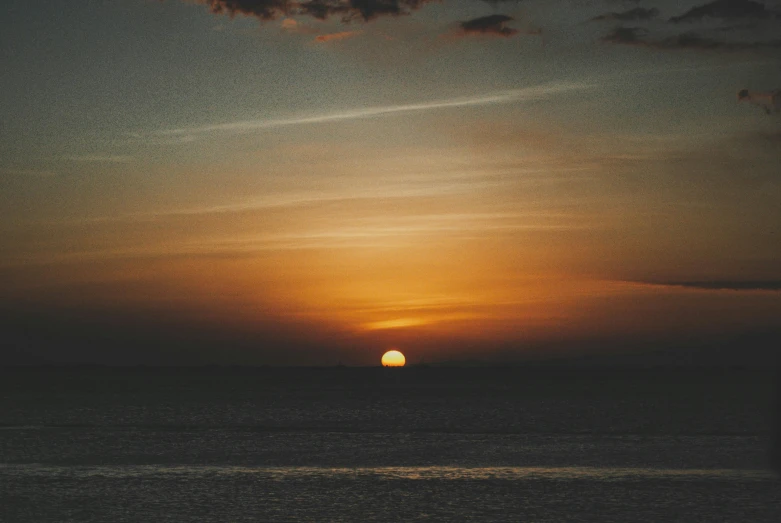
(308, 183)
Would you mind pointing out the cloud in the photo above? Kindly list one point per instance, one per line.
(516, 95)
(320, 9)
(697, 42)
(684, 41)
(721, 285)
(263, 9)
(638, 13)
(728, 10)
(335, 37)
(488, 25)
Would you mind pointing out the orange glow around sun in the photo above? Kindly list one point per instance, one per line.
(393, 358)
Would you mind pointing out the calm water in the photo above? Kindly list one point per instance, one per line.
(386, 445)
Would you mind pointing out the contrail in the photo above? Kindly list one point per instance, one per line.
(515, 95)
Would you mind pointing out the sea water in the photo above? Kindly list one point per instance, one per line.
(417, 444)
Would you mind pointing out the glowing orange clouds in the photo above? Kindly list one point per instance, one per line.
(331, 37)
(395, 324)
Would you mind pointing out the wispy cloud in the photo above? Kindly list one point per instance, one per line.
(393, 231)
(404, 189)
(538, 92)
(331, 233)
(97, 158)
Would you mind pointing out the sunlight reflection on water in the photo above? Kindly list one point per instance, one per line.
(401, 473)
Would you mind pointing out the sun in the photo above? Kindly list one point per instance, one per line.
(393, 358)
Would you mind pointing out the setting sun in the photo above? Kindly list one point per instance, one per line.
(393, 358)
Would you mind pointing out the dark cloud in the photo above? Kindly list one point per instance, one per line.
(728, 10)
(263, 9)
(321, 9)
(722, 285)
(698, 42)
(638, 13)
(689, 40)
(490, 25)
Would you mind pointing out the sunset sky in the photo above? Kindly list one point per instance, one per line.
(314, 182)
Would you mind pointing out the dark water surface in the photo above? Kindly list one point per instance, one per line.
(386, 445)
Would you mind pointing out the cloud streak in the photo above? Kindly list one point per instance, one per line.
(502, 97)
(721, 285)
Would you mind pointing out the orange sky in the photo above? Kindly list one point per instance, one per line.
(279, 192)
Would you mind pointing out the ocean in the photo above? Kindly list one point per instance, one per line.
(372, 444)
